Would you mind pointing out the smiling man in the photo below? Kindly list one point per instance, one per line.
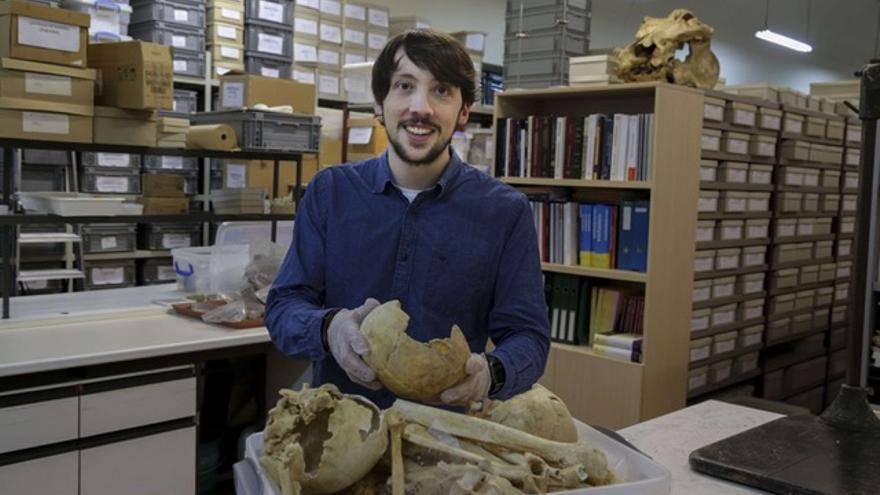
(419, 225)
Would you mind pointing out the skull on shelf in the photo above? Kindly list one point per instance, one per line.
(651, 57)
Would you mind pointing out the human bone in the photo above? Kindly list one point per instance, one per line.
(560, 455)
(651, 57)
(409, 368)
(537, 411)
(321, 441)
(455, 479)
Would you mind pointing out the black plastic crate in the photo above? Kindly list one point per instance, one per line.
(264, 131)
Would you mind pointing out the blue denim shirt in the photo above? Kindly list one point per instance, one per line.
(464, 252)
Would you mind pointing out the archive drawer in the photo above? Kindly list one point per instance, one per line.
(38, 423)
(57, 475)
(142, 405)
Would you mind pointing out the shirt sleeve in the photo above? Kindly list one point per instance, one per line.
(295, 305)
(518, 320)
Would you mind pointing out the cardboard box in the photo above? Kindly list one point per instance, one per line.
(126, 127)
(69, 89)
(225, 33)
(164, 206)
(163, 185)
(246, 90)
(366, 139)
(133, 74)
(259, 174)
(30, 31)
(44, 125)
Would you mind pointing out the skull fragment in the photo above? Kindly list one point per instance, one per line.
(409, 368)
(537, 411)
(321, 441)
(651, 57)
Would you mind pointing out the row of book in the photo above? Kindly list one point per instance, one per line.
(593, 147)
(582, 313)
(598, 235)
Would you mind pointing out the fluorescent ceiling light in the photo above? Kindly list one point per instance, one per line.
(779, 39)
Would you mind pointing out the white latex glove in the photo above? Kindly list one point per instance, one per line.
(474, 387)
(347, 344)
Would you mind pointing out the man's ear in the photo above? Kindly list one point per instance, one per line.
(379, 113)
(464, 115)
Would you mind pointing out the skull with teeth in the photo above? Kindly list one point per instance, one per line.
(651, 57)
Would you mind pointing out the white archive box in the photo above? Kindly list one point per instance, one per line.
(793, 123)
(729, 230)
(713, 109)
(760, 174)
(708, 170)
(735, 142)
(711, 140)
(708, 202)
(700, 319)
(733, 172)
(640, 475)
(702, 291)
(738, 113)
(757, 228)
(753, 256)
(698, 377)
(705, 231)
(769, 119)
(723, 287)
(758, 202)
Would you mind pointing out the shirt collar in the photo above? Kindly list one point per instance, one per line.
(382, 176)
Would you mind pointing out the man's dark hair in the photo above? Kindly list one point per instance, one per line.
(435, 51)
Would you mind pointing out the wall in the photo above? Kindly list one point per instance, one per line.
(842, 35)
(459, 15)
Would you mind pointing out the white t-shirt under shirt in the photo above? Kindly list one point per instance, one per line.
(410, 194)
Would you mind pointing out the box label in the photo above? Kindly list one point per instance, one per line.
(360, 135)
(47, 34)
(178, 41)
(165, 273)
(354, 58)
(170, 241)
(328, 85)
(180, 65)
(474, 41)
(113, 159)
(329, 57)
(270, 72)
(377, 41)
(354, 36)
(47, 84)
(181, 15)
(109, 242)
(108, 276)
(269, 43)
(305, 53)
(304, 76)
(378, 17)
(312, 4)
(174, 162)
(236, 175)
(233, 95)
(356, 84)
(227, 32)
(46, 123)
(307, 26)
(230, 14)
(111, 184)
(330, 33)
(270, 11)
(331, 7)
(230, 52)
(355, 12)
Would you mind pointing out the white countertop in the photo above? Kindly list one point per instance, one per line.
(670, 439)
(86, 328)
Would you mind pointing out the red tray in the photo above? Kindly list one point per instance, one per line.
(186, 310)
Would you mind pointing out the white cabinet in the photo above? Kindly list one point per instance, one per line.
(160, 463)
(39, 423)
(54, 475)
(141, 405)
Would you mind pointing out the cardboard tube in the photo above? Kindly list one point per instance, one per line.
(212, 137)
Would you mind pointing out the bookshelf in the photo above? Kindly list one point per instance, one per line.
(599, 389)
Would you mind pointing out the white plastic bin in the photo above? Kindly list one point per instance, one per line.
(208, 270)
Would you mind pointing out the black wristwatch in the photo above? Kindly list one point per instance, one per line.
(496, 374)
(325, 324)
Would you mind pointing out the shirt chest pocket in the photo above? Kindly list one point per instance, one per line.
(455, 281)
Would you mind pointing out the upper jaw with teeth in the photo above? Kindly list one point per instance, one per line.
(418, 129)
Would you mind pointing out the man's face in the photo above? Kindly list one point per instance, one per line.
(420, 113)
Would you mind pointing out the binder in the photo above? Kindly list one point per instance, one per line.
(570, 233)
(600, 255)
(572, 288)
(640, 227)
(584, 301)
(626, 244)
(585, 246)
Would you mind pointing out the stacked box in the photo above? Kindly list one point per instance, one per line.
(306, 32)
(539, 40)
(378, 30)
(225, 36)
(354, 33)
(268, 37)
(330, 39)
(176, 23)
(399, 25)
(110, 20)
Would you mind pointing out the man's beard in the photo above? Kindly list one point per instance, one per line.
(429, 158)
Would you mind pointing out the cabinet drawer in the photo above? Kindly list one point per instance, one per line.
(160, 463)
(40, 423)
(55, 475)
(130, 407)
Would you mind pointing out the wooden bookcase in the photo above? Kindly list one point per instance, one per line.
(598, 389)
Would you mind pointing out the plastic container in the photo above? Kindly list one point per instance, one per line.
(174, 163)
(279, 12)
(109, 238)
(174, 35)
(172, 11)
(70, 204)
(212, 269)
(267, 66)
(268, 39)
(258, 130)
(109, 181)
(169, 236)
(112, 274)
(188, 63)
(185, 101)
(156, 271)
(110, 160)
(45, 157)
(108, 18)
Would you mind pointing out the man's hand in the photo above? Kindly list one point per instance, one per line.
(347, 344)
(474, 387)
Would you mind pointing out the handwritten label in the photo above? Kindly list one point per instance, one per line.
(376, 41)
(305, 26)
(46, 84)
(170, 241)
(355, 12)
(270, 11)
(111, 184)
(354, 36)
(771, 122)
(46, 34)
(230, 52)
(713, 112)
(109, 243)
(331, 33)
(233, 94)
(304, 76)
(181, 15)
(360, 135)
(305, 53)
(378, 17)
(270, 72)
(45, 123)
(328, 57)
(230, 14)
(269, 43)
(178, 41)
(113, 159)
(108, 276)
(331, 7)
(227, 32)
